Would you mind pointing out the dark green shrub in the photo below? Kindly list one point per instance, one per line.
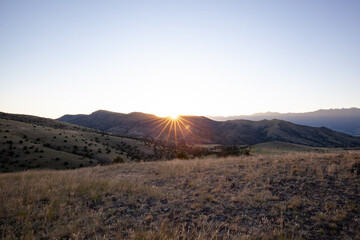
(118, 159)
(182, 155)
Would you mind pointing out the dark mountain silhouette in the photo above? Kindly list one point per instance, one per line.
(346, 120)
(202, 130)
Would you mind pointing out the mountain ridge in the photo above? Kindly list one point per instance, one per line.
(346, 120)
(202, 130)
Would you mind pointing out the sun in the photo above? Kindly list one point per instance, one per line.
(174, 116)
(172, 127)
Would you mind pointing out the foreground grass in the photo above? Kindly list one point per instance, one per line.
(296, 195)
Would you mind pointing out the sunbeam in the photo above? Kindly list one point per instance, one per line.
(168, 128)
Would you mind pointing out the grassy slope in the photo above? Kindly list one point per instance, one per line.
(294, 195)
(26, 145)
(277, 147)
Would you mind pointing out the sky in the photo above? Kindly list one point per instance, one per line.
(197, 57)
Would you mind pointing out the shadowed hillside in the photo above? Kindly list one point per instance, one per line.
(201, 130)
(29, 142)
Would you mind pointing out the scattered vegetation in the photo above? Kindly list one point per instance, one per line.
(295, 195)
(80, 146)
(267, 191)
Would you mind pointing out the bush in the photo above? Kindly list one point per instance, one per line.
(234, 150)
(245, 151)
(118, 159)
(182, 155)
(46, 145)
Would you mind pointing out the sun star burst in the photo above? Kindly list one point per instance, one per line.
(171, 128)
(174, 116)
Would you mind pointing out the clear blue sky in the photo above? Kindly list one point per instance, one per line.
(178, 57)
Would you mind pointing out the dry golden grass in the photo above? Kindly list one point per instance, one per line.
(295, 195)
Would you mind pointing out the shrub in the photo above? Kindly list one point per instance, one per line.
(182, 155)
(118, 159)
(234, 150)
(245, 151)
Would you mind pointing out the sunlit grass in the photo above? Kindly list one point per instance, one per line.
(297, 195)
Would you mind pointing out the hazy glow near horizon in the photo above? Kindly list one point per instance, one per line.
(178, 57)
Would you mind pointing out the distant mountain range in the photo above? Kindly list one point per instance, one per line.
(202, 130)
(346, 120)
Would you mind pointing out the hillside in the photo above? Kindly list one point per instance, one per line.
(346, 120)
(106, 120)
(31, 142)
(289, 196)
(286, 148)
(201, 130)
